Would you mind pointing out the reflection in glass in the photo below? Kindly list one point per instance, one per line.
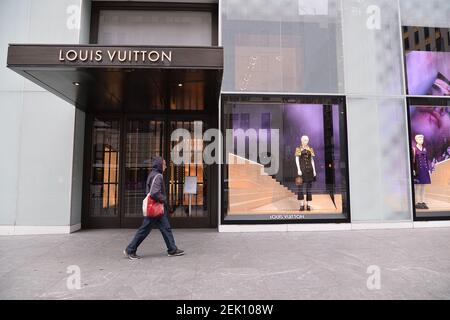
(374, 68)
(427, 56)
(155, 27)
(426, 38)
(428, 73)
(293, 46)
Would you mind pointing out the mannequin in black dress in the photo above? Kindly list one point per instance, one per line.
(304, 159)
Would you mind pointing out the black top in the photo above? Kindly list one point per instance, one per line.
(305, 160)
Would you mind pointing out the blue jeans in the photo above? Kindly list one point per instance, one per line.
(162, 224)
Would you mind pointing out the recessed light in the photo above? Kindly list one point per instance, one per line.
(76, 83)
(180, 84)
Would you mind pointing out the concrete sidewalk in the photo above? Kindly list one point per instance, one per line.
(414, 264)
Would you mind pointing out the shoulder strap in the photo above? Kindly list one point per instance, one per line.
(153, 181)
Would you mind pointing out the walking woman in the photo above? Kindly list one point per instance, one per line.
(158, 193)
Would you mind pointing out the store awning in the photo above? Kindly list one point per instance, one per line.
(105, 78)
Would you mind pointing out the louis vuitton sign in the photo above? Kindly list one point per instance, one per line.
(86, 56)
(115, 55)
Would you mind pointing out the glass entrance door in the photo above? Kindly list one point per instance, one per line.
(189, 209)
(144, 139)
(101, 192)
(120, 155)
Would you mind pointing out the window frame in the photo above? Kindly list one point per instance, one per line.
(287, 99)
(425, 101)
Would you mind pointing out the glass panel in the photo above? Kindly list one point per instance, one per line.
(294, 46)
(374, 68)
(428, 63)
(104, 178)
(155, 27)
(178, 198)
(428, 73)
(430, 148)
(144, 140)
(275, 144)
(378, 154)
(430, 13)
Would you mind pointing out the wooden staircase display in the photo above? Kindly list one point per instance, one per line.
(439, 189)
(250, 187)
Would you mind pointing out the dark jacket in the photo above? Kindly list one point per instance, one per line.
(158, 190)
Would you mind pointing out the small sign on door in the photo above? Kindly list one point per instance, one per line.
(190, 185)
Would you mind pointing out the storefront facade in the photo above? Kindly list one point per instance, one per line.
(352, 95)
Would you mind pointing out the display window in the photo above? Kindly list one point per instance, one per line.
(430, 156)
(427, 63)
(285, 159)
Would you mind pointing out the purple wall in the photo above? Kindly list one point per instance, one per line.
(294, 121)
(309, 120)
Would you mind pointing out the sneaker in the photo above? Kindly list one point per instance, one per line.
(176, 253)
(308, 208)
(131, 256)
(302, 208)
(424, 206)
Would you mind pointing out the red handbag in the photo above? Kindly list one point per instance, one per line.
(150, 207)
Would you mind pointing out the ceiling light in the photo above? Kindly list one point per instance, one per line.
(76, 83)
